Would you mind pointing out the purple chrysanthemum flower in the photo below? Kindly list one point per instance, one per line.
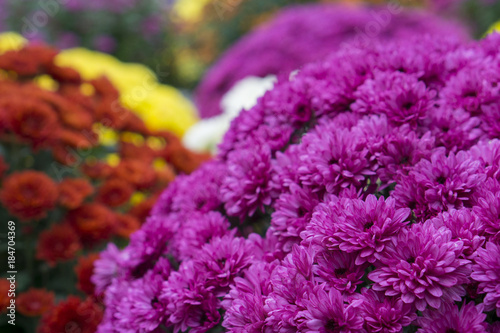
(487, 208)
(145, 311)
(222, 260)
(454, 129)
(400, 96)
(244, 304)
(293, 210)
(384, 314)
(400, 150)
(465, 226)
(448, 318)
(441, 183)
(277, 47)
(246, 186)
(107, 267)
(116, 316)
(327, 312)
(290, 281)
(363, 227)
(339, 270)
(190, 302)
(149, 243)
(471, 89)
(486, 271)
(197, 230)
(199, 191)
(332, 159)
(489, 153)
(423, 267)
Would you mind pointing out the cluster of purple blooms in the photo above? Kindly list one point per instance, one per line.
(361, 194)
(301, 34)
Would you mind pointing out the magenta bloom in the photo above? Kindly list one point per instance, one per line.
(246, 186)
(197, 230)
(455, 129)
(199, 191)
(449, 318)
(402, 97)
(291, 282)
(486, 271)
(293, 210)
(423, 267)
(244, 304)
(338, 270)
(146, 311)
(487, 208)
(384, 314)
(439, 184)
(190, 303)
(363, 227)
(399, 150)
(222, 260)
(327, 312)
(107, 267)
(465, 226)
(333, 159)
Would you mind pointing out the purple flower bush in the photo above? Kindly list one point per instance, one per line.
(306, 33)
(361, 194)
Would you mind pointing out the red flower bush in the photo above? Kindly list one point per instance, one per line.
(72, 186)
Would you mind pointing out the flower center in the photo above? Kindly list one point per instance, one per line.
(339, 272)
(441, 180)
(332, 326)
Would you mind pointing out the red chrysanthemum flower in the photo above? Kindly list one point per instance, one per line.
(72, 192)
(137, 173)
(97, 170)
(28, 194)
(33, 121)
(84, 271)
(126, 225)
(58, 243)
(132, 151)
(114, 192)
(35, 302)
(92, 222)
(72, 315)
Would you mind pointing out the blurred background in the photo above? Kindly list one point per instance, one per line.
(76, 176)
(182, 37)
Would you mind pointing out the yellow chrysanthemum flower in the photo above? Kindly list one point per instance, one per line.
(494, 27)
(190, 10)
(160, 106)
(11, 41)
